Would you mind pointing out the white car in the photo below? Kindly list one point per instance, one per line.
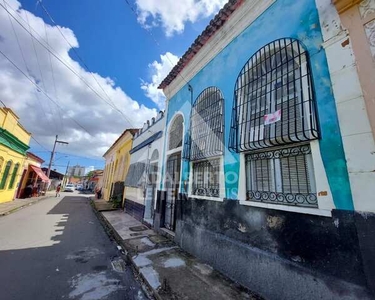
(69, 188)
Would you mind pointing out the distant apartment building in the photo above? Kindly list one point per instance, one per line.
(77, 170)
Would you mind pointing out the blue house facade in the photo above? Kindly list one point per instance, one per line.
(254, 177)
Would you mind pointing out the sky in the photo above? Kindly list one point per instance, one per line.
(86, 70)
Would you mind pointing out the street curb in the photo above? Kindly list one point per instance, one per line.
(23, 206)
(113, 234)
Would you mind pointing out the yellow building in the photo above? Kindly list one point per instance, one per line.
(33, 175)
(117, 160)
(14, 142)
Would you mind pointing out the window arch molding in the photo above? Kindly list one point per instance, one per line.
(154, 155)
(5, 175)
(14, 176)
(175, 132)
(274, 99)
(206, 132)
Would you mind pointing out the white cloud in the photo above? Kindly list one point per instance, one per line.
(159, 70)
(172, 15)
(43, 118)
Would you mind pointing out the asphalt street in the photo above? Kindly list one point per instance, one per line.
(57, 249)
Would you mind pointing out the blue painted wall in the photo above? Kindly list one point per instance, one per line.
(285, 18)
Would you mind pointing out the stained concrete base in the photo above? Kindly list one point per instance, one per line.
(169, 271)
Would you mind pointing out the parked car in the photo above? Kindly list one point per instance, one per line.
(79, 187)
(69, 188)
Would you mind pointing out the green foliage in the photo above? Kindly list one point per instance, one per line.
(116, 200)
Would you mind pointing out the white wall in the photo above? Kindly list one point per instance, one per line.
(359, 145)
(144, 155)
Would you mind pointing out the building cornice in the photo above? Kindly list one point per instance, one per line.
(239, 20)
(126, 136)
(12, 142)
(343, 5)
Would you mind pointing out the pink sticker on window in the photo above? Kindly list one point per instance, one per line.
(272, 118)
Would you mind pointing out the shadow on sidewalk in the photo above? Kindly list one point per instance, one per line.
(171, 272)
(63, 252)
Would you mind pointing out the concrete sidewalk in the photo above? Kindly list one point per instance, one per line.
(169, 271)
(7, 208)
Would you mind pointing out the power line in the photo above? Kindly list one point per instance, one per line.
(40, 72)
(24, 61)
(74, 49)
(154, 39)
(23, 73)
(65, 64)
(53, 77)
(81, 59)
(72, 155)
(40, 144)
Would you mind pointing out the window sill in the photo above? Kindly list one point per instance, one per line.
(219, 199)
(297, 209)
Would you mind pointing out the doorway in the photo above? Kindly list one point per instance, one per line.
(172, 185)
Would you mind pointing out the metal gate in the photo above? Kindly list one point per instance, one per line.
(172, 185)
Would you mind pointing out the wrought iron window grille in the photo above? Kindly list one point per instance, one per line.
(283, 176)
(176, 133)
(205, 136)
(274, 99)
(206, 178)
(136, 175)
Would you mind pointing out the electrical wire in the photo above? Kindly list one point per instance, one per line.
(73, 49)
(3, 103)
(65, 64)
(45, 93)
(153, 37)
(53, 78)
(40, 144)
(41, 74)
(24, 61)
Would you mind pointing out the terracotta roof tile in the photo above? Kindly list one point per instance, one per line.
(215, 24)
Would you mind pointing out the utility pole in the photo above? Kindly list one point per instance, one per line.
(66, 173)
(53, 154)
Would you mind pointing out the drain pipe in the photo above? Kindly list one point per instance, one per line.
(190, 88)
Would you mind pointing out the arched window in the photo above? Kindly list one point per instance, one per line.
(274, 105)
(205, 145)
(14, 175)
(1, 164)
(274, 100)
(176, 133)
(153, 172)
(207, 125)
(5, 175)
(155, 155)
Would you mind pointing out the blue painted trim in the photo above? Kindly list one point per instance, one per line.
(146, 142)
(285, 18)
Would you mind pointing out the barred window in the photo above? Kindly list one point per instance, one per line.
(136, 175)
(204, 142)
(5, 175)
(153, 173)
(175, 133)
(14, 175)
(155, 155)
(283, 176)
(207, 125)
(274, 100)
(206, 178)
